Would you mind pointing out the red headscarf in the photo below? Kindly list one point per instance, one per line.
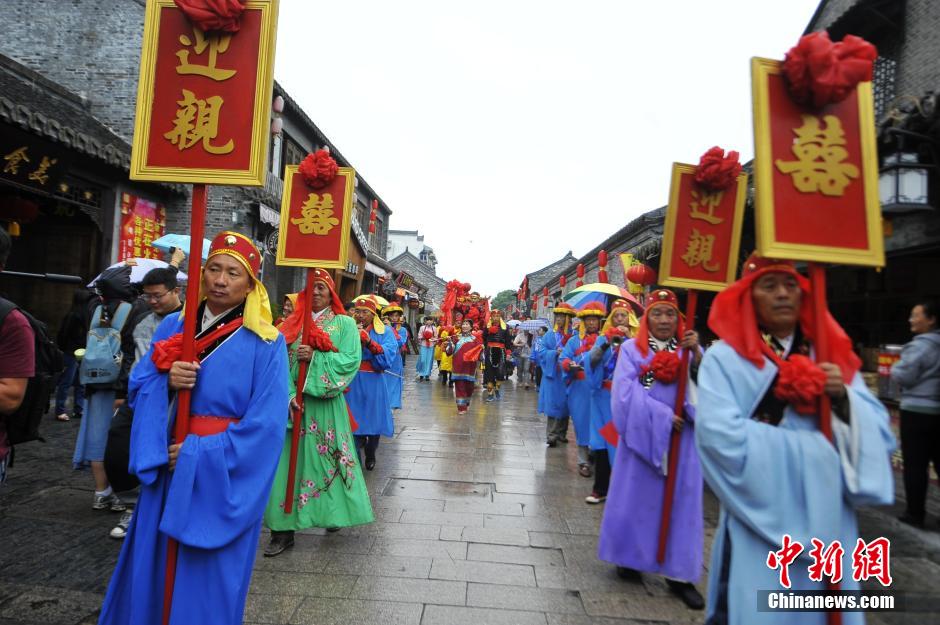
(657, 297)
(293, 325)
(733, 319)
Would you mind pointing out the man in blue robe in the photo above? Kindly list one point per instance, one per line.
(762, 451)
(368, 394)
(579, 388)
(553, 391)
(395, 378)
(209, 490)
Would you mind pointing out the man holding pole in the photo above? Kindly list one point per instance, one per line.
(328, 489)
(762, 449)
(644, 390)
(206, 492)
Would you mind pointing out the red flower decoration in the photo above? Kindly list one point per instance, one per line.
(213, 15)
(586, 344)
(800, 383)
(716, 171)
(821, 72)
(318, 169)
(665, 367)
(427, 334)
(321, 341)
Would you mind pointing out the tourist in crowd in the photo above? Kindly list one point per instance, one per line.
(918, 375)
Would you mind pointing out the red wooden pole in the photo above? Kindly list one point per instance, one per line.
(197, 230)
(301, 381)
(817, 276)
(668, 493)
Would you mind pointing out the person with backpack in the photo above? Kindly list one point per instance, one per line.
(161, 293)
(109, 351)
(17, 361)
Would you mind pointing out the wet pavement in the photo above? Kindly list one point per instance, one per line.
(477, 522)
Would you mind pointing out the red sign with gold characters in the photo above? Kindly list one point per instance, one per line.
(204, 98)
(315, 223)
(142, 222)
(702, 232)
(816, 174)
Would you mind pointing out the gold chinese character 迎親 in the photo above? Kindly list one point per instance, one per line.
(40, 175)
(703, 205)
(317, 215)
(699, 251)
(14, 159)
(216, 43)
(819, 152)
(198, 121)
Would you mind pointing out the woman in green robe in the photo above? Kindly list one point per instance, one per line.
(329, 490)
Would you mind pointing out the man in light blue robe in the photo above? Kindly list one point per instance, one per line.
(772, 469)
(208, 491)
(368, 393)
(579, 387)
(554, 391)
(395, 379)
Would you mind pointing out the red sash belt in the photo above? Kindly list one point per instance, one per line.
(607, 384)
(366, 365)
(496, 344)
(206, 425)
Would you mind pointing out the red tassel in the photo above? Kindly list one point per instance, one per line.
(371, 227)
(580, 281)
(602, 276)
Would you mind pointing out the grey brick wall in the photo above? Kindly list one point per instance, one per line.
(91, 47)
(919, 58)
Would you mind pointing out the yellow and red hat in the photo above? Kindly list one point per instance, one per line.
(369, 305)
(662, 297)
(564, 308)
(239, 247)
(392, 307)
(592, 309)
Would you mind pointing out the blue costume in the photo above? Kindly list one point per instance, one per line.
(394, 383)
(600, 380)
(368, 392)
(554, 391)
(213, 502)
(579, 391)
(425, 362)
(783, 479)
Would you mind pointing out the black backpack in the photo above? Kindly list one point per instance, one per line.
(23, 425)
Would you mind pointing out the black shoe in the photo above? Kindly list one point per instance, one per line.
(552, 442)
(333, 529)
(280, 542)
(688, 593)
(370, 464)
(631, 575)
(910, 519)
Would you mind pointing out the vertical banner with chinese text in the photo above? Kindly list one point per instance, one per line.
(204, 99)
(142, 221)
(315, 223)
(702, 233)
(816, 174)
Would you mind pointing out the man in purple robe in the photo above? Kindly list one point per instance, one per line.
(643, 408)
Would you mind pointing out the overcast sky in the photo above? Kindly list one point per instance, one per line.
(511, 132)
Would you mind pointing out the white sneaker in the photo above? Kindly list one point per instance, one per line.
(112, 502)
(594, 498)
(120, 530)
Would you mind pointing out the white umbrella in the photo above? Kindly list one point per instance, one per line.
(534, 324)
(512, 323)
(139, 268)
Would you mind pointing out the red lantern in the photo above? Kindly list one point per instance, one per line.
(372, 216)
(602, 263)
(580, 281)
(642, 275)
(545, 295)
(562, 281)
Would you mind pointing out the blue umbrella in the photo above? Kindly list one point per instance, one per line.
(180, 241)
(534, 324)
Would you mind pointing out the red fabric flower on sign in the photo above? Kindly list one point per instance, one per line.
(318, 169)
(210, 15)
(665, 367)
(716, 171)
(800, 383)
(821, 72)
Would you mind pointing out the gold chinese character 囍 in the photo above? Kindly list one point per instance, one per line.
(216, 44)
(820, 153)
(317, 215)
(703, 205)
(699, 251)
(14, 159)
(40, 174)
(198, 121)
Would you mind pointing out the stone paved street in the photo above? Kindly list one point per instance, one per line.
(477, 523)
